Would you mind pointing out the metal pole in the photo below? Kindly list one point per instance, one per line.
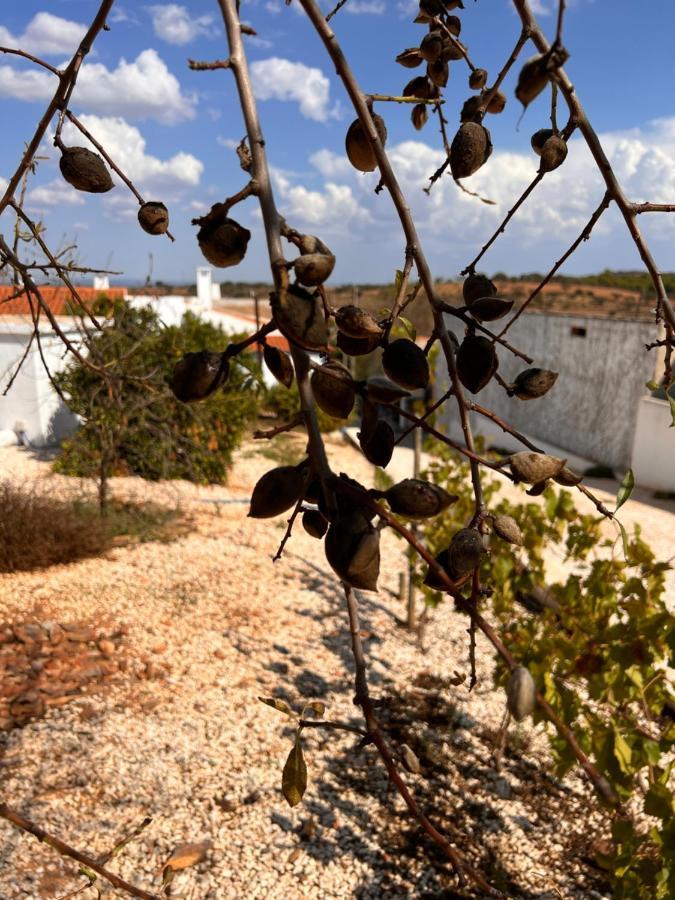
(417, 459)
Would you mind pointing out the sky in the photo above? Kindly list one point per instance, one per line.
(173, 131)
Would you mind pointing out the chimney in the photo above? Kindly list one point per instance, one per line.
(101, 283)
(204, 287)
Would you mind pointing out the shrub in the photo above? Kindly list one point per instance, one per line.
(135, 424)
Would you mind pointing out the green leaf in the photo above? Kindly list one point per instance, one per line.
(410, 329)
(671, 400)
(315, 706)
(398, 280)
(624, 538)
(280, 705)
(294, 777)
(622, 753)
(652, 385)
(625, 489)
(659, 802)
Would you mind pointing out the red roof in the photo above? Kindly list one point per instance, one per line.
(57, 297)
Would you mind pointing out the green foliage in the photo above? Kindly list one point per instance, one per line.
(600, 659)
(134, 424)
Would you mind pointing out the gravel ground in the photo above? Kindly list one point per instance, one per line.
(210, 624)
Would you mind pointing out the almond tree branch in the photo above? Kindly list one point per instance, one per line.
(11, 815)
(35, 59)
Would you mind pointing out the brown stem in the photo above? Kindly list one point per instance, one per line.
(459, 313)
(332, 726)
(432, 409)
(35, 59)
(298, 419)
(489, 94)
(197, 66)
(64, 849)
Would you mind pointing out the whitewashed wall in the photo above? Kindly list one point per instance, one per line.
(654, 446)
(592, 409)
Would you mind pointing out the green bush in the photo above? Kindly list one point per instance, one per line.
(133, 424)
(600, 656)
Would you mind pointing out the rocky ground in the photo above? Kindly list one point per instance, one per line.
(186, 636)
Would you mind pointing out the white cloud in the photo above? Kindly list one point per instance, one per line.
(173, 23)
(46, 35)
(361, 7)
(140, 89)
(155, 178)
(539, 8)
(3, 184)
(331, 210)
(281, 79)
(55, 193)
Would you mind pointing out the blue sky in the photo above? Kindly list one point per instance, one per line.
(174, 130)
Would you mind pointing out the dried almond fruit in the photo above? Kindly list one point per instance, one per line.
(277, 491)
(377, 443)
(85, 170)
(419, 116)
(507, 529)
(476, 287)
(222, 240)
(539, 138)
(410, 58)
(477, 362)
(533, 383)
(532, 79)
(489, 309)
(357, 346)
(312, 269)
(478, 79)
(279, 364)
(470, 149)
(553, 154)
(153, 217)
(300, 317)
(405, 363)
(352, 549)
(465, 552)
(314, 523)
(382, 390)
(198, 375)
(359, 149)
(567, 477)
(533, 468)
(521, 694)
(356, 322)
(417, 499)
(334, 389)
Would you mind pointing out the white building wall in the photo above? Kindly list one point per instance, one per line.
(654, 446)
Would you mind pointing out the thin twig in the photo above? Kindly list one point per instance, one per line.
(34, 59)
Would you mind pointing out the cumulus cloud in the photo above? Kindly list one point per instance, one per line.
(366, 7)
(333, 209)
(155, 178)
(54, 193)
(46, 35)
(142, 89)
(174, 24)
(281, 79)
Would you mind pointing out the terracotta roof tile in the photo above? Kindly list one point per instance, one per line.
(57, 297)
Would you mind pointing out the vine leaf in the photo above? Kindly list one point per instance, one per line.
(625, 489)
(294, 777)
(280, 705)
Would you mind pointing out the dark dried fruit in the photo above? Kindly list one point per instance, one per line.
(454, 25)
(377, 442)
(470, 149)
(465, 552)
(300, 317)
(381, 390)
(431, 46)
(533, 467)
(359, 149)
(419, 116)
(539, 138)
(537, 489)
(410, 762)
(198, 375)
(277, 491)
(153, 217)
(312, 269)
(532, 79)
(85, 170)
(469, 111)
(314, 523)
(410, 58)
(421, 87)
(533, 383)
(357, 323)
(521, 694)
(279, 364)
(497, 103)
(353, 551)
(507, 529)
(405, 363)
(309, 243)
(438, 72)
(477, 362)
(489, 309)
(432, 579)
(222, 240)
(478, 79)
(477, 286)
(333, 388)
(357, 346)
(554, 153)
(416, 499)
(568, 478)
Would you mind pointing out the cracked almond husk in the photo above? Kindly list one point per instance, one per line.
(432, 46)
(497, 103)
(537, 489)
(553, 154)
(314, 523)
(417, 499)
(359, 149)
(357, 323)
(438, 73)
(382, 390)
(533, 468)
(420, 86)
(312, 269)
(277, 491)
(521, 694)
(419, 116)
(300, 317)
(477, 362)
(409, 760)
(432, 579)
(470, 109)
(539, 138)
(198, 375)
(533, 383)
(222, 241)
(279, 364)
(489, 309)
(153, 217)
(478, 79)
(377, 443)
(357, 346)
(476, 286)
(309, 243)
(405, 363)
(470, 149)
(85, 170)
(568, 478)
(508, 529)
(352, 548)
(532, 79)
(410, 58)
(334, 390)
